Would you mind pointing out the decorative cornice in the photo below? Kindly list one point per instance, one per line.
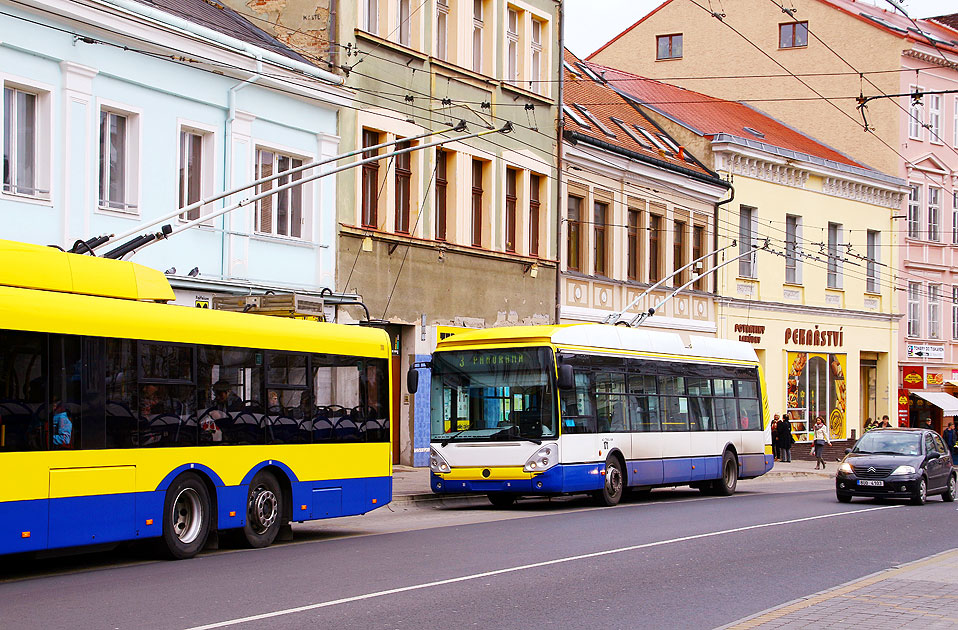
(930, 58)
(763, 169)
(839, 187)
(803, 309)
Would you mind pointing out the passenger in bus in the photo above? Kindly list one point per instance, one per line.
(62, 427)
(150, 400)
(224, 398)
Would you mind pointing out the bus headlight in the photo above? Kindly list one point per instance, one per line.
(436, 462)
(543, 459)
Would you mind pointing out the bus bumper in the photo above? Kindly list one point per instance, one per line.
(557, 480)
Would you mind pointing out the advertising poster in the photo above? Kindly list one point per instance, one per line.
(816, 388)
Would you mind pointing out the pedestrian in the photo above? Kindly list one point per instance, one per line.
(885, 424)
(785, 439)
(950, 439)
(870, 424)
(927, 425)
(776, 446)
(821, 438)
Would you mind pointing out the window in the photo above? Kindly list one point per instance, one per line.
(873, 253)
(511, 180)
(534, 205)
(477, 35)
(698, 250)
(678, 252)
(914, 212)
(442, 29)
(117, 161)
(403, 177)
(193, 180)
(954, 312)
(631, 133)
(633, 269)
(574, 116)
(601, 245)
(793, 35)
(282, 212)
(954, 126)
(512, 46)
(21, 145)
(404, 32)
(834, 258)
(916, 114)
(934, 214)
(442, 183)
(914, 309)
(655, 250)
(370, 182)
(668, 46)
(574, 240)
(747, 224)
(598, 123)
(934, 118)
(954, 217)
(793, 263)
(477, 203)
(536, 75)
(372, 16)
(934, 311)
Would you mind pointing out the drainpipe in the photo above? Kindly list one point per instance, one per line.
(560, 122)
(715, 219)
(225, 246)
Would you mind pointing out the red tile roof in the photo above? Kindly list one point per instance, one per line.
(709, 116)
(951, 21)
(605, 104)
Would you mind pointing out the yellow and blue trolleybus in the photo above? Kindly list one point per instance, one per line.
(594, 408)
(124, 418)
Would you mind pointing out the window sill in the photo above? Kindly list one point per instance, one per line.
(387, 43)
(668, 58)
(805, 47)
(283, 240)
(116, 212)
(31, 199)
(796, 285)
(508, 87)
(872, 294)
(446, 65)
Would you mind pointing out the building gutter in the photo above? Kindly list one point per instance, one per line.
(715, 238)
(560, 123)
(210, 35)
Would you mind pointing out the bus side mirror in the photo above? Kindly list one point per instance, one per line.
(412, 380)
(566, 377)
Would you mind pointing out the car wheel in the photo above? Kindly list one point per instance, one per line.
(611, 492)
(952, 489)
(264, 510)
(921, 494)
(725, 486)
(844, 497)
(186, 516)
(501, 499)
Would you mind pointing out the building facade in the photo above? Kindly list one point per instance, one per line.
(855, 48)
(809, 279)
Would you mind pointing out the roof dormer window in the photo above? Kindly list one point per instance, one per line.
(632, 134)
(578, 120)
(598, 123)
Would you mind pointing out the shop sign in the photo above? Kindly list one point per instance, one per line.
(925, 351)
(902, 408)
(912, 377)
(814, 337)
(934, 378)
(750, 333)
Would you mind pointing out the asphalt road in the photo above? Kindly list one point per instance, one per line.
(677, 560)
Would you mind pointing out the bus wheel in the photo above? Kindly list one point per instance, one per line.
(611, 492)
(264, 510)
(725, 485)
(186, 516)
(502, 499)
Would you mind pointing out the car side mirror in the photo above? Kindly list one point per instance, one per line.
(566, 377)
(412, 380)
(847, 451)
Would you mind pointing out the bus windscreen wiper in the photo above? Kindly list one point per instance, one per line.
(452, 437)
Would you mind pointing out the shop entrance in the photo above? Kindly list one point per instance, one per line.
(868, 379)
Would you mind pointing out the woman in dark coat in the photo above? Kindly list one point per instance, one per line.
(776, 446)
(785, 439)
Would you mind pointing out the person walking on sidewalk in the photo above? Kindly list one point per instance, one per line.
(950, 439)
(821, 438)
(785, 439)
(776, 445)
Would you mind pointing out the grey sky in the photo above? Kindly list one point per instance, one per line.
(591, 23)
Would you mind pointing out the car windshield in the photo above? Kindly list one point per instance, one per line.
(490, 395)
(889, 442)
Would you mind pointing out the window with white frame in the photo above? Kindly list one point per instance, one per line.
(747, 228)
(512, 46)
(535, 75)
(934, 213)
(916, 115)
(873, 254)
(954, 217)
(954, 126)
(442, 29)
(793, 235)
(282, 213)
(934, 118)
(372, 16)
(405, 36)
(195, 175)
(834, 274)
(914, 309)
(118, 160)
(954, 312)
(934, 311)
(24, 172)
(914, 212)
(477, 35)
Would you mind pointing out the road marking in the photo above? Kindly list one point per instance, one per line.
(524, 567)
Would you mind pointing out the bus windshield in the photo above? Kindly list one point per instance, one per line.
(492, 395)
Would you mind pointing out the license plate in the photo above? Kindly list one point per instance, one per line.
(865, 482)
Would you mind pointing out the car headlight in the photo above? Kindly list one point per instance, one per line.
(845, 468)
(436, 462)
(904, 470)
(543, 459)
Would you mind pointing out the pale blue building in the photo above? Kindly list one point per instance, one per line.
(120, 112)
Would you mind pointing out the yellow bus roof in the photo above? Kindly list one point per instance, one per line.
(505, 334)
(49, 269)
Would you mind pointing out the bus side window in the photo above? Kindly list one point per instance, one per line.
(23, 392)
(578, 414)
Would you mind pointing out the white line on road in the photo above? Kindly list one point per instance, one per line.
(535, 565)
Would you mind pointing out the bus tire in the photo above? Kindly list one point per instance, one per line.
(502, 499)
(725, 485)
(264, 510)
(187, 516)
(612, 489)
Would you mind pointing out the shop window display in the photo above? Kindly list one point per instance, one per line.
(816, 387)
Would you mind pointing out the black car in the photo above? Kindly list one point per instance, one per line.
(897, 463)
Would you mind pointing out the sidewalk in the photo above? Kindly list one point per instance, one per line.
(412, 484)
(920, 594)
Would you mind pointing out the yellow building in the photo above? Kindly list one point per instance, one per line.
(815, 297)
